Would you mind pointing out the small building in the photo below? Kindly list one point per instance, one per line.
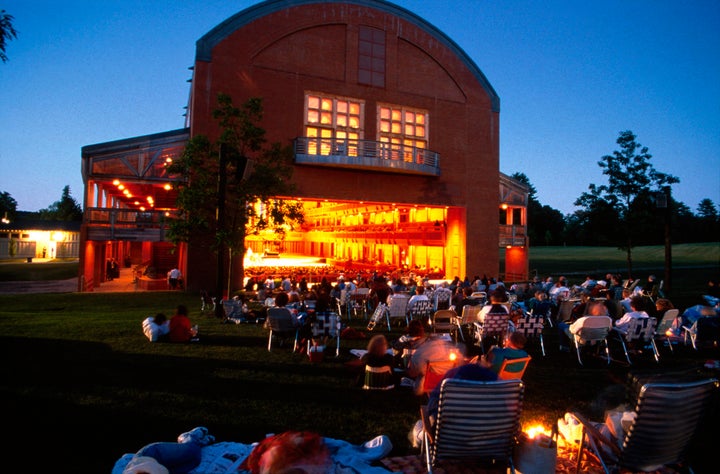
(28, 237)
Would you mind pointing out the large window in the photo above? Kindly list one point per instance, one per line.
(404, 130)
(371, 56)
(336, 122)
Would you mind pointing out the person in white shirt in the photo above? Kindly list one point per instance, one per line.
(637, 304)
(418, 296)
(156, 327)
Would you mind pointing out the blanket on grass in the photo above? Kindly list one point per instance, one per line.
(226, 457)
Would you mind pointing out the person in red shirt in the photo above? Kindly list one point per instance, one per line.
(180, 328)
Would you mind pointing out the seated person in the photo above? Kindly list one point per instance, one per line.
(377, 354)
(181, 330)
(637, 304)
(406, 344)
(418, 296)
(539, 304)
(156, 328)
(568, 331)
(497, 298)
(471, 371)
(431, 349)
(514, 349)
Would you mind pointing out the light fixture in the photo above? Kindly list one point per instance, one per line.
(5, 219)
(167, 187)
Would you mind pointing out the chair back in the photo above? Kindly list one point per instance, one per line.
(477, 420)
(435, 370)
(707, 331)
(444, 320)
(441, 298)
(421, 310)
(470, 314)
(281, 320)
(513, 368)
(531, 325)
(640, 329)
(232, 308)
(325, 324)
(667, 321)
(378, 378)
(398, 305)
(565, 309)
(495, 325)
(668, 415)
(593, 329)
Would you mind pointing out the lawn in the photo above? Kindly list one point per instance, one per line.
(82, 385)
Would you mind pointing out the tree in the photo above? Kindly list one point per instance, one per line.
(709, 222)
(230, 187)
(8, 206)
(631, 179)
(66, 209)
(545, 224)
(7, 33)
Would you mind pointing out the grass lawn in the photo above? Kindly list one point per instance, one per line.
(82, 385)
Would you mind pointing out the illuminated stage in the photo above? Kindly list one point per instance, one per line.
(283, 260)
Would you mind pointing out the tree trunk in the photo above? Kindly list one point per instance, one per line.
(629, 259)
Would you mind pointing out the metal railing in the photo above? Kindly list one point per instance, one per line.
(367, 154)
(125, 224)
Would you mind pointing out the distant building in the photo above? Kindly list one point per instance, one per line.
(396, 138)
(27, 237)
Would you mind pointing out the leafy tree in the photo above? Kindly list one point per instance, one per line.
(631, 180)
(545, 224)
(7, 33)
(66, 209)
(7, 205)
(709, 220)
(231, 186)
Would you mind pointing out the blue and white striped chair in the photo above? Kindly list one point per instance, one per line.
(476, 422)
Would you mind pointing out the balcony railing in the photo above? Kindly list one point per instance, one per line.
(367, 155)
(125, 224)
(514, 235)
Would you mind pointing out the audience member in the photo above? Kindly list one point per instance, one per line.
(430, 350)
(156, 328)
(568, 331)
(407, 343)
(637, 304)
(181, 330)
(514, 349)
(418, 296)
(377, 354)
(471, 371)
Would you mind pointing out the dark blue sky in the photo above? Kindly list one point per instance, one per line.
(570, 75)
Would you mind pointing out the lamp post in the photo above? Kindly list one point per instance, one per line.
(664, 201)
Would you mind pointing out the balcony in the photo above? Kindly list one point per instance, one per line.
(366, 155)
(513, 235)
(125, 224)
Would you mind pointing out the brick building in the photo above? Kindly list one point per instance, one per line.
(395, 132)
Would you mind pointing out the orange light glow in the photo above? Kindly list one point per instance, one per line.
(453, 356)
(167, 187)
(504, 206)
(121, 186)
(537, 429)
(116, 182)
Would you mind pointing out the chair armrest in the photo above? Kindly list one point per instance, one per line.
(595, 434)
(425, 417)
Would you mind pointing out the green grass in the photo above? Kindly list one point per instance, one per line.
(82, 385)
(20, 270)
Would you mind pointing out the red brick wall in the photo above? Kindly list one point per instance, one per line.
(313, 47)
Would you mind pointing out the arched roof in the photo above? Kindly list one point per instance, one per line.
(205, 45)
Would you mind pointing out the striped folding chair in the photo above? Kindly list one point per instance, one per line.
(476, 422)
(531, 326)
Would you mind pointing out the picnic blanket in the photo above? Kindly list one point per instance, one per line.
(226, 457)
